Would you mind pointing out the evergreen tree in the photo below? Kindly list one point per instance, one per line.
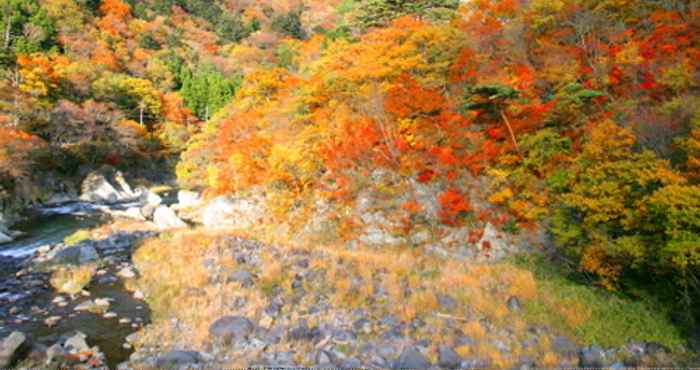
(290, 24)
(25, 28)
(205, 90)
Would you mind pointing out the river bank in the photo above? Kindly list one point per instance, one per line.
(48, 317)
(103, 312)
(137, 287)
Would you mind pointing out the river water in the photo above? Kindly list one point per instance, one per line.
(25, 307)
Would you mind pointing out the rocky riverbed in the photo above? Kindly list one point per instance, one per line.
(64, 303)
(86, 327)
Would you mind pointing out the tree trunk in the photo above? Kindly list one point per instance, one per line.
(8, 28)
(510, 130)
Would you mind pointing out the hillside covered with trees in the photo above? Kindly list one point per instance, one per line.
(358, 130)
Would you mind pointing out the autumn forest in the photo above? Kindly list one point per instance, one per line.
(534, 162)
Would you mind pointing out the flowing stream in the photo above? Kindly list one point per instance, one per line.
(27, 301)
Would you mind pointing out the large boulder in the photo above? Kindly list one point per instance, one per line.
(5, 238)
(448, 358)
(165, 218)
(177, 359)
(9, 348)
(6, 235)
(230, 328)
(186, 199)
(60, 198)
(148, 197)
(106, 185)
(80, 254)
(411, 358)
(232, 214)
(77, 343)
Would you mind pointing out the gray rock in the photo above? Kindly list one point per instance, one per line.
(88, 254)
(343, 336)
(465, 341)
(106, 185)
(77, 343)
(176, 359)
(186, 198)
(274, 307)
(5, 238)
(636, 348)
(126, 273)
(84, 306)
(165, 218)
(592, 356)
(446, 301)
(233, 214)
(387, 350)
(525, 363)
(75, 255)
(351, 363)
(363, 326)
(564, 346)
(375, 236)
(56, 351)
(132, 338)
(654, 349)
(274, 335)
(323, 357)
(389, 320)
(500, 345)
(514, 304)
(420, 237)
(133, 213)
(9, 348)
(282, 359)
(493, 238)
(448, 358)
(61, 198)
(411, 358)
(303, 333)
(149, 198)
(230, 328)
(475, 363)
(243, 277)
(148, 210)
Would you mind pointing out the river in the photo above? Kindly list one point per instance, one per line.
(26, 301)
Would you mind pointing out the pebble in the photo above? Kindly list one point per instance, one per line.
(102, 301)
(126, 273)
(109, 315)
(514, 304)
(52, 321)
(125, 320)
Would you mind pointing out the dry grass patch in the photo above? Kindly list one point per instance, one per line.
(72, 279)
